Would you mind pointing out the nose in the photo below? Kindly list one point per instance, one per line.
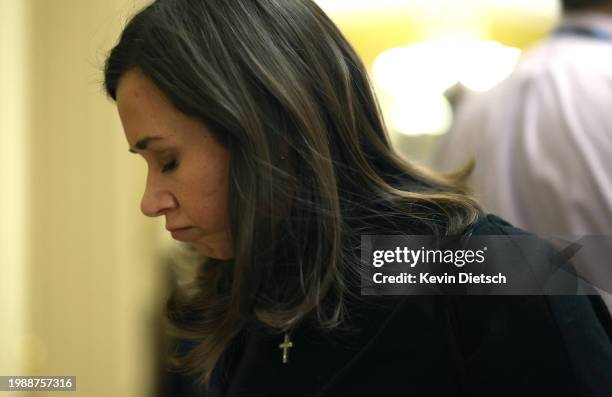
(156, 200)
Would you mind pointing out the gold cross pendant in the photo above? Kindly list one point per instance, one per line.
(285, 346)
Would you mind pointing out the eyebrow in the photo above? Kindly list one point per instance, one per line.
(143, 143)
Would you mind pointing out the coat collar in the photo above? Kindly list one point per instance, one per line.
(317, 358)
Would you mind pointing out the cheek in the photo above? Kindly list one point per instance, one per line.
(208, 197)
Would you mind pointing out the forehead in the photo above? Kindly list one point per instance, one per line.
(146, 112)
(135, 91)
(142, 107)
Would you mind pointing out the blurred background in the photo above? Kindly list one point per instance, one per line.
(83, 274)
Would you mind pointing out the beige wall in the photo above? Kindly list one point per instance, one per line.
(13, 193)
(79, 278)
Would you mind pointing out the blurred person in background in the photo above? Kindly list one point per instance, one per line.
(542, 139)
(266, 152)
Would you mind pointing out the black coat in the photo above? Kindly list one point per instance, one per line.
(434, 346)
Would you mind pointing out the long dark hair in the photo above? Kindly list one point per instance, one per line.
(311, 164)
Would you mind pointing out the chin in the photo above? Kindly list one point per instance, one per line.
(221, 252)
(203, 250)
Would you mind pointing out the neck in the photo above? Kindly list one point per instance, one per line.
(603, 8)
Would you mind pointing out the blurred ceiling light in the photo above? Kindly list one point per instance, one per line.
(485, 64)
(354, 5)
(433, 66)
(544, 7)
(419, 68)
(419, 115)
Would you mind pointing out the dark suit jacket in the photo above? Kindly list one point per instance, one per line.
(433, 346)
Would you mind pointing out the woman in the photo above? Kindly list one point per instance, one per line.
(268, 155)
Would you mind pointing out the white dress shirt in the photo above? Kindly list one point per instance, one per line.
(542, 139)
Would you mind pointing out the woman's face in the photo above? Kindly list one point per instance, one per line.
(188, 170)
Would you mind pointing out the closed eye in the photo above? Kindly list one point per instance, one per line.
(168, 167)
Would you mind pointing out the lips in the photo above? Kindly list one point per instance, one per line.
(171, 229)
(181, 234)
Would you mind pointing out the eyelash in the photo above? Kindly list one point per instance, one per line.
(168, 167)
